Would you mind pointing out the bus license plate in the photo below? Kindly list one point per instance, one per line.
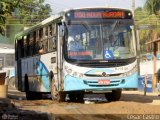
(103, 82)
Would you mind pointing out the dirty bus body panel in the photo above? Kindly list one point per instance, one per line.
(94, 50)
(36, 57)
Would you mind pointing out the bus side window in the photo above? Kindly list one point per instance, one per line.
(30, 45)
(19, 48)
(22, 48)
(41, 48)
(34, 43)
(16, 58)
(25, 46)
(52, 38)
(45, 40)
(37, 41)
(43, 44)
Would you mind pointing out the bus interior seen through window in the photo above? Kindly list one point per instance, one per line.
(43, 39)
(96, 40)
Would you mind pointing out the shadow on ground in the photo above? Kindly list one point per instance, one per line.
(139, 98)
(8, 111)
(97, 98)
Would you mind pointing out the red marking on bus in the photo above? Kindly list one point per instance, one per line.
(80, 53)
(79, 15)
(93, 14)
(113, 14)
(116, 14)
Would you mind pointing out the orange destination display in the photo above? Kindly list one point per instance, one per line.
(93, 14)
(117, 14)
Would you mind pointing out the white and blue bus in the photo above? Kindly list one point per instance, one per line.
(78, 51)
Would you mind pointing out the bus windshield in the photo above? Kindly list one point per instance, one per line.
(107, 40)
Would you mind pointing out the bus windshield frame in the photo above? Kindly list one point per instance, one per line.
(100, 24)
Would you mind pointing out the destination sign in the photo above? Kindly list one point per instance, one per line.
(93, 14)
(116, 14)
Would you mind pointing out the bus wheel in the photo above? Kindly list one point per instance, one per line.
(61, 96)
(80, 97)
(115, 95)
(72, 97)
(55, 94)
(76, 96)
(33, 95)
(29, 94)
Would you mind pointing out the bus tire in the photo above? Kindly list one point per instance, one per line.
(26, 83)
(115, 95)
(59, 96)
(72, 97)
(29, 94)
(80, 97)
(76, 96)
(33, 95)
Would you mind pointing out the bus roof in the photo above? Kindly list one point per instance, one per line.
(56, 17)
(96, 8)
(37, 26)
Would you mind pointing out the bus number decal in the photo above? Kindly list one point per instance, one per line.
(121, 68)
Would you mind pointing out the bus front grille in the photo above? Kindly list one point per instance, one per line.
(108, 75)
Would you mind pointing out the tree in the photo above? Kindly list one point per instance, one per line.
(26, 12)
(2, 22)
(148, 17)
(152, 6)
(140, 14)
(4, 11)
(31, 12)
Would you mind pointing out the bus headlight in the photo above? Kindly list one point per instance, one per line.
(73, 73)
(80, 75)
(129, 73)
(76, 74)
(69, 71)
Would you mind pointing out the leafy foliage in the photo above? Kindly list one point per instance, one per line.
(31, 12)
(152, 6)
(147, 20)
(4, 11)
(26, 12)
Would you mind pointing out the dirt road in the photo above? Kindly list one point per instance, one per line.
(132, 105)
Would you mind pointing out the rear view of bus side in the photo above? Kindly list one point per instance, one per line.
(87, 50)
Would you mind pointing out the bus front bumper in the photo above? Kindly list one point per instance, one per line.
(79, 84)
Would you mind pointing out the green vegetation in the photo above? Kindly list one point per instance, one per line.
(17, 14)
(147, 21)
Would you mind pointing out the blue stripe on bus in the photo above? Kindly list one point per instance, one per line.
(72, 83)
(43, 72)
